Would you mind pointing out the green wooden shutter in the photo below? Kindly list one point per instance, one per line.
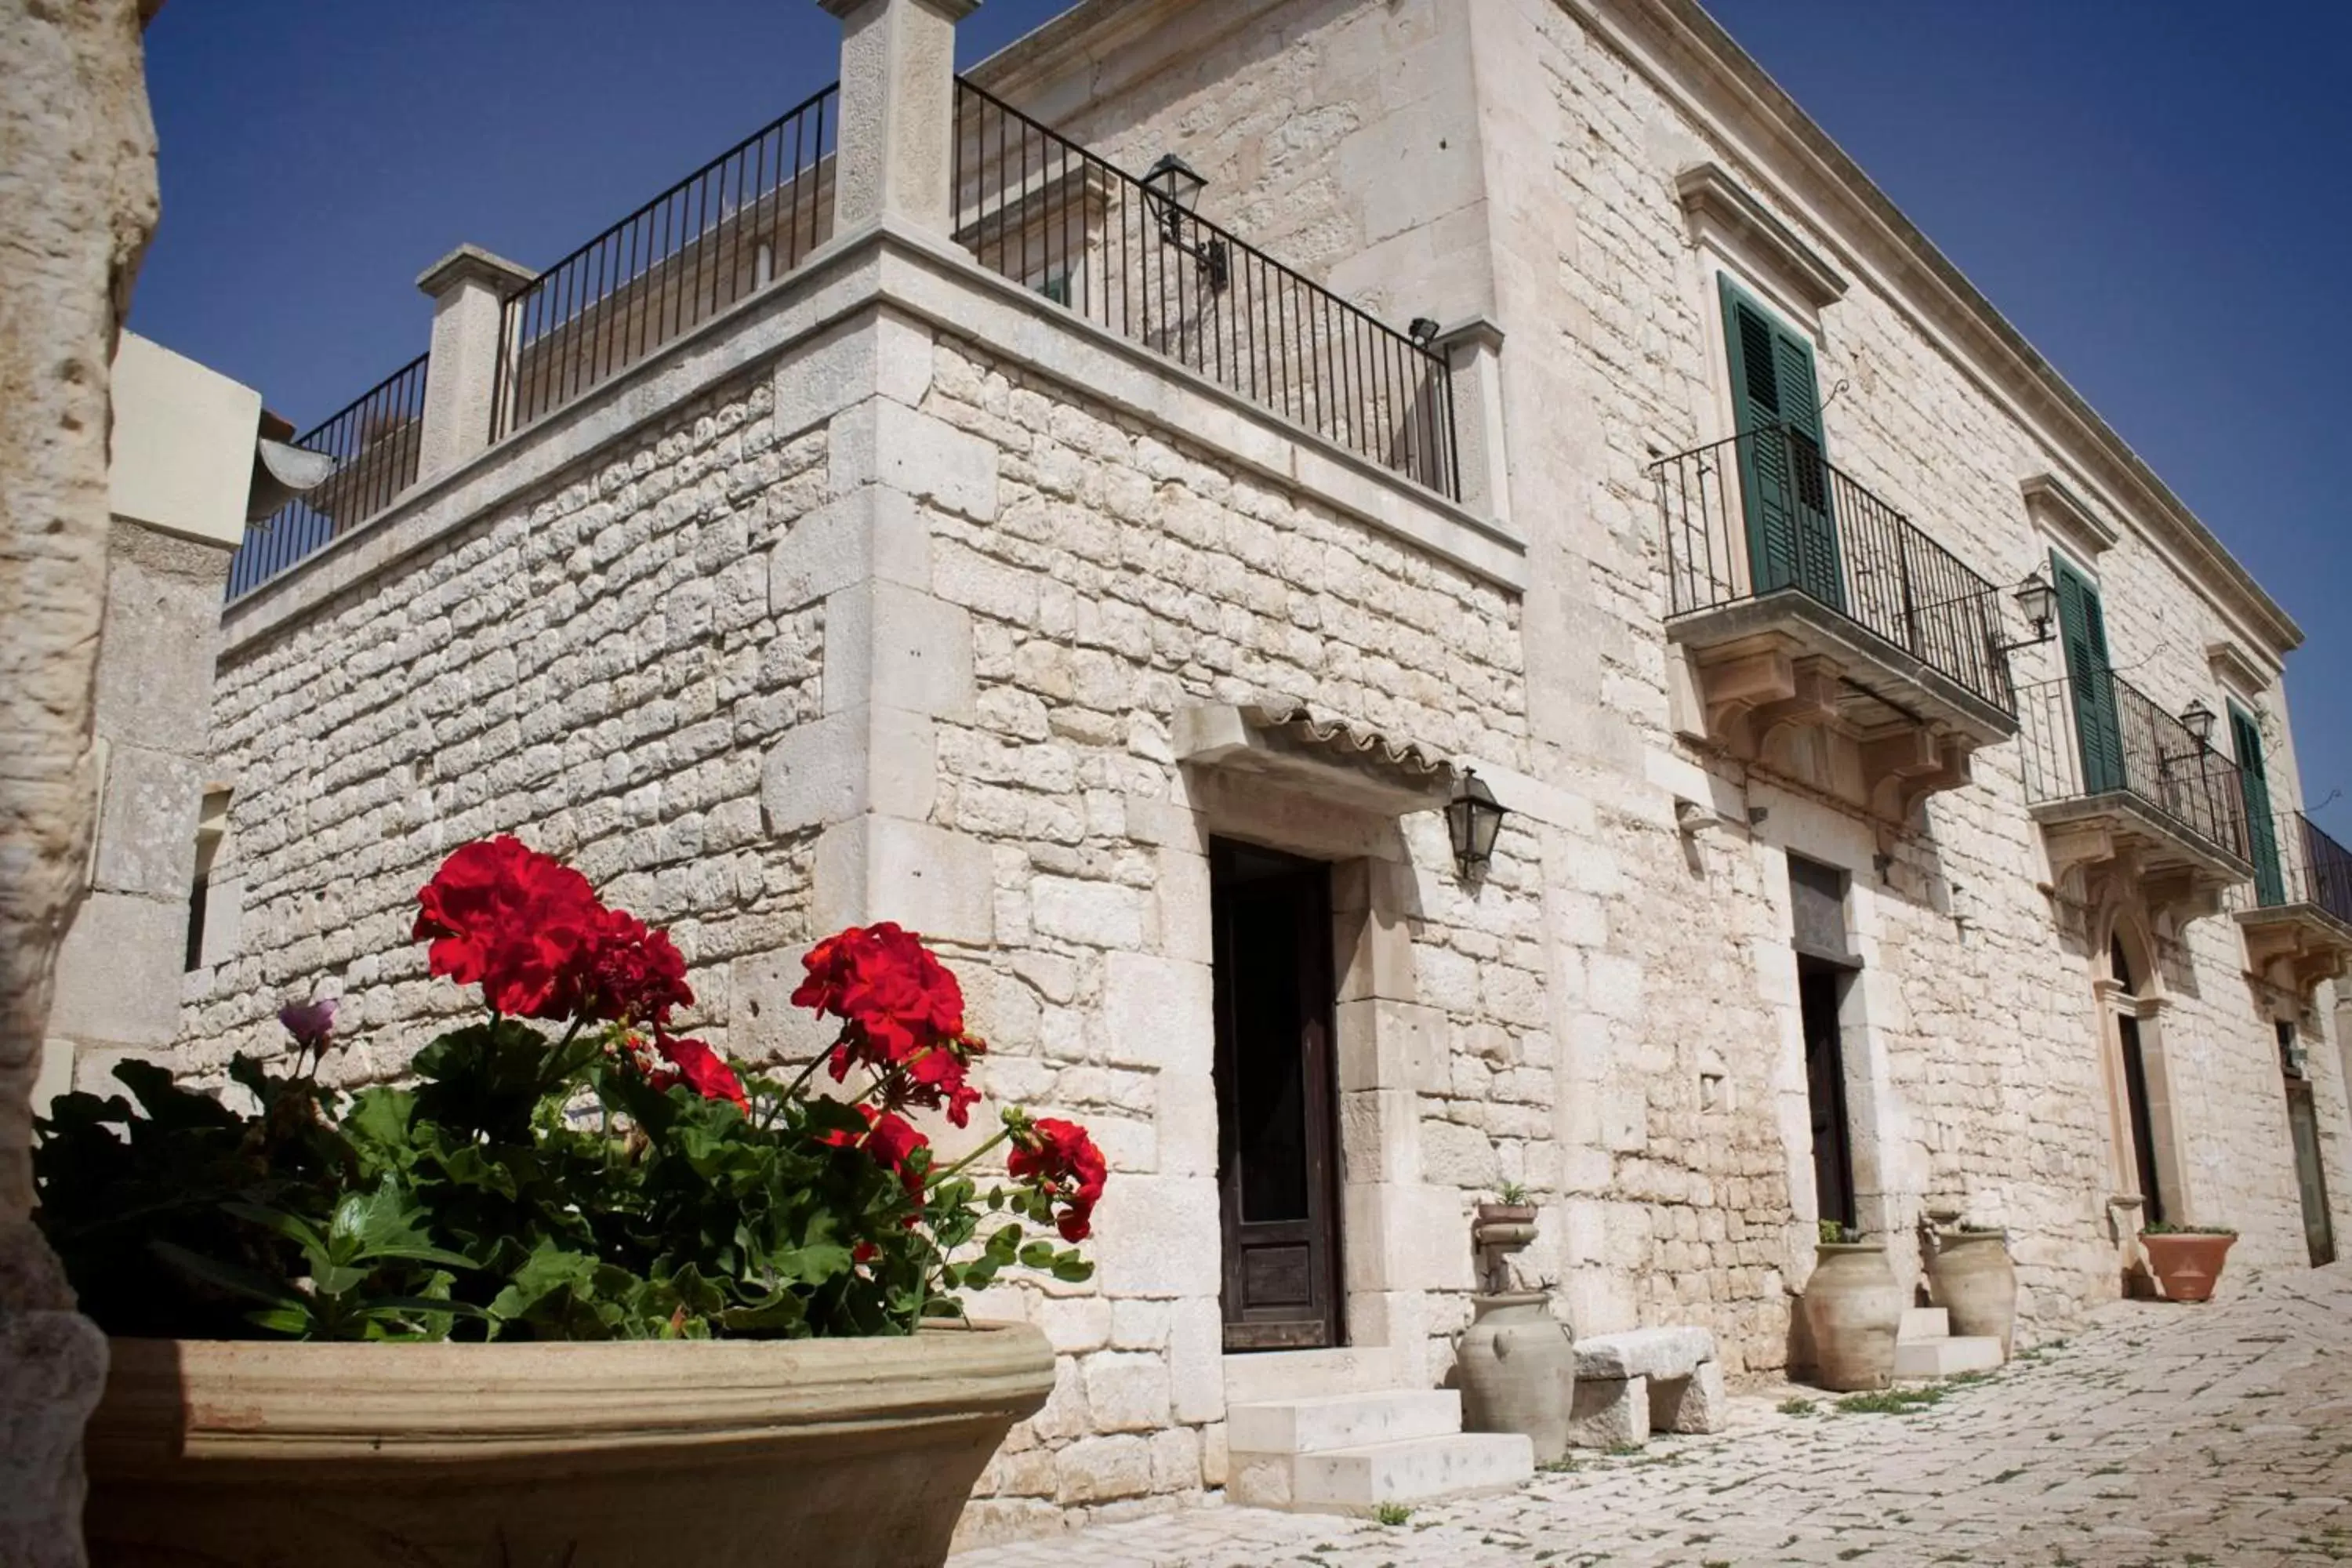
(2083, 632)
(1776, 404)
(2262, 830)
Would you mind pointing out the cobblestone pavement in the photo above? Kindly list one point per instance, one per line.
(2159, 1435)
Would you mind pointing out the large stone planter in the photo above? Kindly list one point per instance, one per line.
(1852, 1309)
(2187, 1264)
(1518, 1371)
(1975, 1283)
(722, 1454)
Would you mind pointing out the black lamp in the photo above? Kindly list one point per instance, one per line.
(2197, 719)
(1473, 818)
(2039, 600)
(1173, 188)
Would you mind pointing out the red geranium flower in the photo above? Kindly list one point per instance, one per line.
(888, 1139)
(1061, 1161)
(902, 1016)
(517, 922)
(699, 1069)
(633, 972)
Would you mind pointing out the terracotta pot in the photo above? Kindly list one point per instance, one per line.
(1975, 1283)
(2187, 1265)
(1506, 1214)
(1518, 1370)
(716, 1453)
(1852, 1309)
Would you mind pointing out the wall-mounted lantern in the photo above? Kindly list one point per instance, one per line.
(1473, 818)
(2197, 719)
(2039, 602)
(1173, 188)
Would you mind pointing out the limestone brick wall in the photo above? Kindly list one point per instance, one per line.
(1126, 574)
(594, 667)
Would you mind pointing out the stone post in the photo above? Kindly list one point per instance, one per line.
(470, 289)
(1474, 357)
(896, 156)
(77, 182)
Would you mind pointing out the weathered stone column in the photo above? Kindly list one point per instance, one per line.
(1474, 355)
(897, 112)
(77, 182)
(470, 288)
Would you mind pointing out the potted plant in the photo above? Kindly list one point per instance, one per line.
(2186, 1259)
(1975, 1281)
(586, 1296)
(1512, 1207)
(1852, 1310)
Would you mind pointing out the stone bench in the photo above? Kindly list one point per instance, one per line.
(1631, 1385)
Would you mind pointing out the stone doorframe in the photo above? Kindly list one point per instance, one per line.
(2148, 1003)
(1398, 1237)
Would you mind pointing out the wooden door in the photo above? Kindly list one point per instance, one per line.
(2319, 1229)
(1818, 988)
(2083, 632)
(1276, 1166)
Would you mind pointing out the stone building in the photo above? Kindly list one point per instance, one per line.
(958, 530)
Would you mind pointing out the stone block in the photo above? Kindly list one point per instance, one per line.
(1158, 1236)
(1386, 1044)
(1693, 1404)
(886, 443)
(1100, 914)
(1126, 1391)
(1196, 1348)
(873, 867)
(836, 372)
(1405, 1236)
(155, 653)
(1608, 1413)
(1186, 1117)
(1096, 1469)
(147, 826)
(1159, 1013)
(762, 1025)
(887, 646)
(1644, 1352)
(1076, 1324)
(1380, 1134)
(118, 971)
(831, 769)
(873, 533)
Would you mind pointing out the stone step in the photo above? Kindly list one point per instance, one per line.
(1331, 1421)
(1264, 1377)
(1942, 1358)
(1923, 1324)
(1357, 1480)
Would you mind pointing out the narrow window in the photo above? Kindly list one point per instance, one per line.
(212, 827)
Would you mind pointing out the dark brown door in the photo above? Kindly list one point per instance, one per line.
(2319, 1229)
(1277, 1173)
(1820, 987)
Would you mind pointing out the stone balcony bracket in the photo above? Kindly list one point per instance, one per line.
(2113, 845)
(1903, 732)
(2296, 946)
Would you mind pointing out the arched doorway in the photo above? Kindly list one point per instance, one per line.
(2139, 1112)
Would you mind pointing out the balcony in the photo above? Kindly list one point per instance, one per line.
(2298, 921)
(1827, 636)
(2128, 795)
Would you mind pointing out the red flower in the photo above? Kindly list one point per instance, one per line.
(515, 922)
(902, 1016)
(700, 1070)
(1061, 1161)
(633, 972)
(888, 1139)
(529, 930)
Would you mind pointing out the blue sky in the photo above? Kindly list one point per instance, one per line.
(2157, 201)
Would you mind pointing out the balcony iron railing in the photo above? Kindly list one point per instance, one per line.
(2102, 735)
(1763, 512)
(2300, 864)
(724, 232)
(1043, 211)
(374, 444)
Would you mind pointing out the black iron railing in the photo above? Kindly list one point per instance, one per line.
(2102, 735)
(1043, 211)
(374, 444)
(1763, 512)
(727, 230)
(2300, 864)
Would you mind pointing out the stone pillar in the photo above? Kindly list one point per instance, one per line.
(897, 659)
(1474, 357)
(77, 182)
(896, 156)
(470, 289)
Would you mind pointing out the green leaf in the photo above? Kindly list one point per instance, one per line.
(1072, 1268)
(1037, 1255)
(293, 1226)
(233, 1278)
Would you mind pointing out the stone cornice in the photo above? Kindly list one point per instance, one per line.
(2067, 518)
(1689, 56)
(2237, 670)
(1718, 206)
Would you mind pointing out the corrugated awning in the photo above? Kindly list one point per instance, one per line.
(1349, 762)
